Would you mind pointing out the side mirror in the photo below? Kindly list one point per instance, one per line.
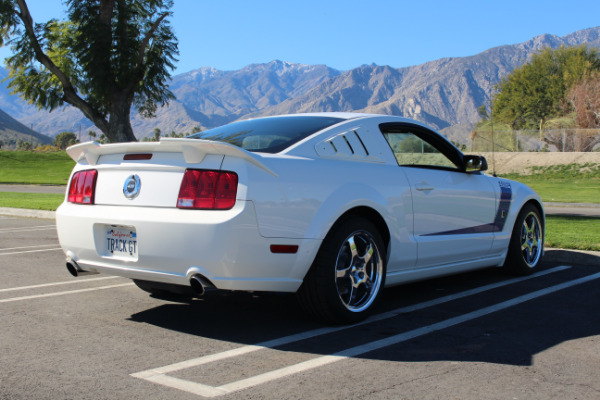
(473, 163)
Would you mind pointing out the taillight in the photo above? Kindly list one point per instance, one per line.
(208, 190)
(83, 187)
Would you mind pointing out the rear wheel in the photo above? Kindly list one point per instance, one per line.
(526, 242)
(348, 274)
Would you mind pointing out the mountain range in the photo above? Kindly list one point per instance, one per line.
(444, 93)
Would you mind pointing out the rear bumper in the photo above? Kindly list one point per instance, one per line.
(173, 245)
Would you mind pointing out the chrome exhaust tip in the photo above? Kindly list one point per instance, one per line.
(200, 285)
(72, 268)
(76, 270)
(197, 284)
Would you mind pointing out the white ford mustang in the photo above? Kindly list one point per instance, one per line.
(333, 206)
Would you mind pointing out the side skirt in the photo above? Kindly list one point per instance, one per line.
(413, 275)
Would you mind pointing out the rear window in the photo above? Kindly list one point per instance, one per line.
(268, 135)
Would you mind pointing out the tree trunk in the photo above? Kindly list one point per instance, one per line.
(119, 124)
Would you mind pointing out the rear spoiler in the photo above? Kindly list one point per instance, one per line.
(193, 150)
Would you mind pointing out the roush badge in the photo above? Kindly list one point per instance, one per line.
(131, 188)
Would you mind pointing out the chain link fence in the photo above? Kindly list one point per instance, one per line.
(553, 140)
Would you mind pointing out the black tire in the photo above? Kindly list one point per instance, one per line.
(166, 291)
(348, 274)
(526, 242)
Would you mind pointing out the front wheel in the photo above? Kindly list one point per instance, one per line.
(348, 274)
(526, 243)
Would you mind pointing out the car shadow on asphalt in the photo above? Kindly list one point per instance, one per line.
(511, 336)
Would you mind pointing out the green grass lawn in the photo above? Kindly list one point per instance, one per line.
(564, 190)
(28, 167)
(561, 232)
(31, 201)
(573, 232)
(574, 183)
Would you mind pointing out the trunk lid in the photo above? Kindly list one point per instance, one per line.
(157, 168)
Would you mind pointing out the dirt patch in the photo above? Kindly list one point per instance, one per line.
(521, 163)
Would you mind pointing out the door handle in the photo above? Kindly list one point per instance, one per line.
(423, 186)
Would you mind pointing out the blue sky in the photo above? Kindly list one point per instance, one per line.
(230, 34)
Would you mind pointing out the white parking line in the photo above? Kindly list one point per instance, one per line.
(7, 251)
(38, 247)
(28, 229)
(43, 285)
(28, 247)
(379, 344)
(39, 296)
(158, 375)
(195, 362)
(30, 251)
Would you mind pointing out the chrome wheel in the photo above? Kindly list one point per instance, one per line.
(358, 271)
(526, 244)
(347, 276)
(531, 239)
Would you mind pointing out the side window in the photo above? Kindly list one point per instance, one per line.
(411, 150)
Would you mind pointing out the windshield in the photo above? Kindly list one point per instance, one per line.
(268, 135)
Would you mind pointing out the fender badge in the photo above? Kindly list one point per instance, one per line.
(131, 188)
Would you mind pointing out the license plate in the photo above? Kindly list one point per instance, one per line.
(121, 241)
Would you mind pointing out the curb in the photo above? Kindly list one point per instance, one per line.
(572, 256)
(550, 255)
(571, 205)
(22, 212)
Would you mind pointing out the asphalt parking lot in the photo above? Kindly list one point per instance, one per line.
(472, 336)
